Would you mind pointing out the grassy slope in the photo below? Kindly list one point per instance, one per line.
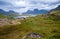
(2, 16)
(48, 27)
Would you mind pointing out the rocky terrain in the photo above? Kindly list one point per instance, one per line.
(6, 21)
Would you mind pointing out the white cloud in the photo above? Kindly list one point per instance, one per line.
(49, 1)
(19, 3)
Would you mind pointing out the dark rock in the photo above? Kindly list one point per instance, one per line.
(34, 35)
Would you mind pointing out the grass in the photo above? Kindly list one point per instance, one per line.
(48, 27)
(2, 16)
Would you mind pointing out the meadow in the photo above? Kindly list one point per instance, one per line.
(49, 27)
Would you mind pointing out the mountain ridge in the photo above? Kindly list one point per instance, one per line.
(56, 9)
(36, 11)
(7, 12)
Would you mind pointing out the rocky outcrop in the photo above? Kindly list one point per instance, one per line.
(32, 35)
(6, 21)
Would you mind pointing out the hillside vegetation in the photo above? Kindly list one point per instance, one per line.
(2, 16)
(48, 27)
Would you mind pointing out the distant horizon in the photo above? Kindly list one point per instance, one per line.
(21, 6)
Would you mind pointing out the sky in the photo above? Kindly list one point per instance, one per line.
(24, 5)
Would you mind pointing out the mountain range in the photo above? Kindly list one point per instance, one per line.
(7, 12)
(36, 11)
(33, 12)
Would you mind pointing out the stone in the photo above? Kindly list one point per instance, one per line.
(34, 35)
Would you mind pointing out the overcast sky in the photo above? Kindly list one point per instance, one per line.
(24, 5)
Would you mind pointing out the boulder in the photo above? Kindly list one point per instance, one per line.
(34, 35)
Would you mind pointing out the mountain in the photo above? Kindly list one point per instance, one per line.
(3, 12)
(36, 11)
(11, 12)
(56, 9)
(7, 12)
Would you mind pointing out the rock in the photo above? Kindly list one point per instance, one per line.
(34, 35)
(6, 21)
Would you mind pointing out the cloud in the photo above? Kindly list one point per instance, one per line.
(3, 3)
(24, 5)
